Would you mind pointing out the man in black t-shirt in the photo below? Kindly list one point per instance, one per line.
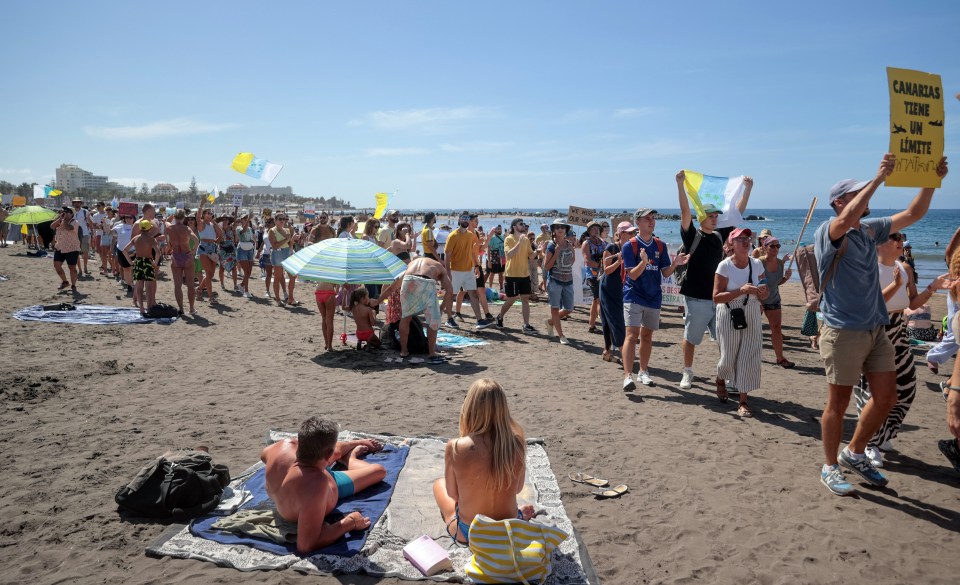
(706, 252)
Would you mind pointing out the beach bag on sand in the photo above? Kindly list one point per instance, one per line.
(177, 485)
(511, 551)
(416, 338)
(162, 311)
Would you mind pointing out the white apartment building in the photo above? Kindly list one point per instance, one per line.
(71, 178)
(164, 191)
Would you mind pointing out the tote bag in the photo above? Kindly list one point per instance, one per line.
(511, 551)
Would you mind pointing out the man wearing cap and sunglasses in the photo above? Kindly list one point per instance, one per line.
(646, 260)
(853, 337)
(323, 230)
(705, 248)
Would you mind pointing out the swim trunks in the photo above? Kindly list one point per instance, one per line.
(345, 487)
(143, 269)
(419, 293)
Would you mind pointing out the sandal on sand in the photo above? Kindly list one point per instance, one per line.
(614, 492)
(744, 411)
(722, 390)
(785, 363)
(588, 479)
(607, 355)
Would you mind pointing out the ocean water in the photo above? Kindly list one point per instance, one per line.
(928, 237)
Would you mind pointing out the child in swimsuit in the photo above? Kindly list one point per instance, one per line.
(365, 317)
(485, 467)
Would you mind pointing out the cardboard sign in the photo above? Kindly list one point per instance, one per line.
(19, 201)
(128, 208)
(580, 215)
(916, 127)
(181, 205)
(618, 219)
(238, 199)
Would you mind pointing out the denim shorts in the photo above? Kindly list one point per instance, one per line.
(245, 255)
(700, 315)
(278, 256)
(560, 295)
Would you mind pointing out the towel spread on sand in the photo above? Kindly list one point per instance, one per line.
(411, 513)
(263, 524)
(88, 315)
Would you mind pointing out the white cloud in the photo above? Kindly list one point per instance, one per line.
(427, 119)
(634, 112)
(14, 171)
(409, 151)
(161, 129)
(477, 146)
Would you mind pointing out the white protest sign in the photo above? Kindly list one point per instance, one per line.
(238, 199)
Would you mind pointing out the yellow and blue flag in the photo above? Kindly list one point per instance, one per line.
(257, 168)
(722, 192)
(44, 191)
(383, 199)
(213, 194)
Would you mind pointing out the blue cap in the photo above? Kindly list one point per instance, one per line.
(846, 186)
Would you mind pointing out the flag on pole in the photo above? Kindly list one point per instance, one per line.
(383, 199)
(257, 168)
(722, 192)
(213, 194)
(44, 191)
(114, 203)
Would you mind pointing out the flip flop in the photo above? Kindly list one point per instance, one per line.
(614, 492)
(588, 479)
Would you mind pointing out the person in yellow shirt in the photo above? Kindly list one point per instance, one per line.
(460, 262)
(518, 251)
(427, 237)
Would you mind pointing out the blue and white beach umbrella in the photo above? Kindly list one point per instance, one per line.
(345, 261)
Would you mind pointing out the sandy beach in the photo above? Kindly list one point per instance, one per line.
(713, 498)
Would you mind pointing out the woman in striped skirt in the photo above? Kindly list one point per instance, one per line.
(899, 293)
(739, 278)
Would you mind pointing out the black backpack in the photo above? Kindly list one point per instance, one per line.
(416, 339)
(162, 311)
(178, 485)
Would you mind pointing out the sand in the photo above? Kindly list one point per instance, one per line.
(713, 498)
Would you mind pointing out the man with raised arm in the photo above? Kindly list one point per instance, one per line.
(853, 338)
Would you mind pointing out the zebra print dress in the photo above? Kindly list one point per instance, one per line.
(906, 382)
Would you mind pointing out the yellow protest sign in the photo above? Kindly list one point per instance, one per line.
(916, 127)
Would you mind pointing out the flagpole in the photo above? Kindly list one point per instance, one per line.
(813, 205)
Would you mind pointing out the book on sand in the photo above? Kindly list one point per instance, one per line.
(428, 556)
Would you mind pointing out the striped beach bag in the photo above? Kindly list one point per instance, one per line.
(511, 551)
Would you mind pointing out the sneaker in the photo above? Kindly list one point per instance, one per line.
(488, 317)
(484, 323)
(832, 477)
(452, 323)
(949, 449)
(886, 446)
(875, 456)
(687, 380)
(247, 295)
(861, 466)
(549, 324)
(499, 322)
(628, 384)
(645, 378)
(564, 341)
(528, 328)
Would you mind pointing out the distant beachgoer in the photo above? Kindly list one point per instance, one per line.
(484, 469)
(67, 248)
(442, 233)
(951, 387)
(495, 256)
(107, 221)
(227, 250)
(773, 268)
(246, 248)
(758, 249)
(304, 487)
(517, 251)
(404, 243)
(558, 263)
(264, 250)
(854, 337)
(739, 276)
(642, 294)
(705, 246)
(611, 291)
(947, 347)
(280, 238)
(322, 230)
(534, 263)
(181, 238)
(123, 232)
(387, 233)
(145, 264)
(82, 215)
(899, 293)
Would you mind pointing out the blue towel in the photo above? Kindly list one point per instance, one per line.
(371, 502)
(88, 315)
(451, 340)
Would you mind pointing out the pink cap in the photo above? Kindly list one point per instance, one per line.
(626, 226)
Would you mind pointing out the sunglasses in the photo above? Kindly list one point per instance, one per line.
(777, 246)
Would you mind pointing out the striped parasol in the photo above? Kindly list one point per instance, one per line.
(345, 261)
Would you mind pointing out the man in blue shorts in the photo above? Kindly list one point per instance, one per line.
(705, 248)
(853, 338)
(646, 259)
(304, 487)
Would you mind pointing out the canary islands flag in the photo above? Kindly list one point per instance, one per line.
(723, 193)
(257, 168)
(44, 191)
(213, 194)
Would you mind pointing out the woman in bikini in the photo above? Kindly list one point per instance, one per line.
(485, 467)
(281, 236)
(210, 233)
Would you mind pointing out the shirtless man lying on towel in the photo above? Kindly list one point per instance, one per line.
(305, 490)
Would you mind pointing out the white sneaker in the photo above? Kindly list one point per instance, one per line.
(247, 295)
(886, 446)
(645, 378)
(563, 340)
(874, 456)
(628, 384)
(687, 380)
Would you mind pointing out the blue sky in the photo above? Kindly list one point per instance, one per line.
(493, 104)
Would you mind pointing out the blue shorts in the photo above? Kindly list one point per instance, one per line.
(244, 255)
(278, 256)
(560, 294)
(345, 487)
(700, 315)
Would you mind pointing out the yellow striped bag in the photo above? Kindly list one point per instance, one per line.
(511, 551)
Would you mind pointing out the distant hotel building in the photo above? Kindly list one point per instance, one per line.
(71, 178)
(164, 191)
(271, 192)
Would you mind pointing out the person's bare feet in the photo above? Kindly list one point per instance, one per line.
(528, 511)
